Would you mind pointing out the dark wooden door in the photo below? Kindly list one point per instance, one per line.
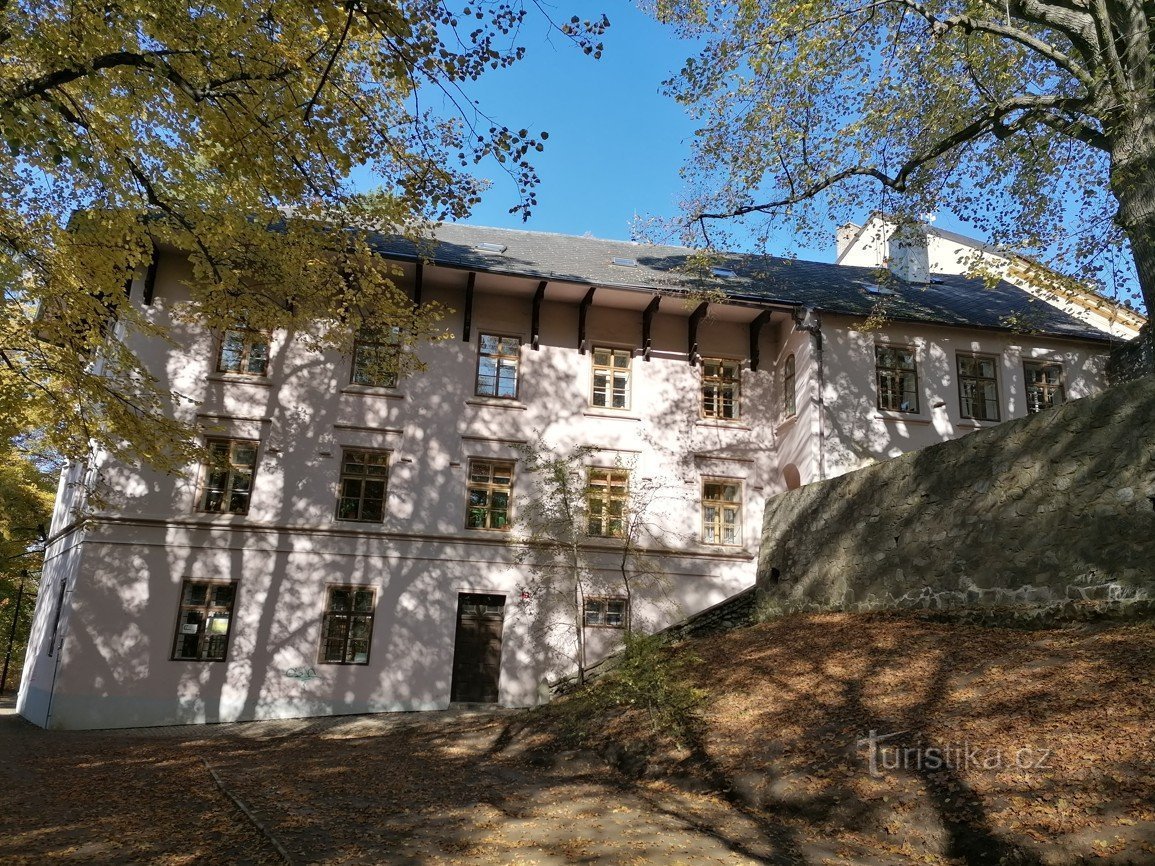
(477, 648)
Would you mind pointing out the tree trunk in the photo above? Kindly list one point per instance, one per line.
(1133, 185)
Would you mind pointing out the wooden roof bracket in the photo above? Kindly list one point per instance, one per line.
(647, 324)
(468, 306)
(695, 320)
(755, 335)
(582, 311)
(535, 326)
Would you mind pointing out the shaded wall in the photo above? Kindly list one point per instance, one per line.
(1056, 506)
(1134, 359)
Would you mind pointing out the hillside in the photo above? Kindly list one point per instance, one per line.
(1047, 737)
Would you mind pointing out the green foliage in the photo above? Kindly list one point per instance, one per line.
(228, 131)
(1033, 121)
(27, 485)
(648, 677)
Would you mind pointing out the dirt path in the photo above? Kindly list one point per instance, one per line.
(394, 788)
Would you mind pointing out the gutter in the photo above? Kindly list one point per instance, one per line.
(807, 319)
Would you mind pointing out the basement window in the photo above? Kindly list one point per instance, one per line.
(202, 631)
(606, 612)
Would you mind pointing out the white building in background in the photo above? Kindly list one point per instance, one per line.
(359, 553)
(928, 252)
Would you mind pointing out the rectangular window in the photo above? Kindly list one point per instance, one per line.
(347, 626)
(720, 388)
(721, 511)
(611, 379)
(377, 358)
(228, 478)
(244, 350)
(202, 630)
(606, 501)
(897, 379)
(364, 483)
(1044, 385)
(606, 612)
(497, 363)
(978, 386)
(490, 483)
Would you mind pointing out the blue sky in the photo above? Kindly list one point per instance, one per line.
(616, 142)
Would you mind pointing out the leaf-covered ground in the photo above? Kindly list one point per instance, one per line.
(1050, 737)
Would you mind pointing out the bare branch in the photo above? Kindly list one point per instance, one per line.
(992, 122)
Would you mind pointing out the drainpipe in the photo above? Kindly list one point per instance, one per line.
(807, 319)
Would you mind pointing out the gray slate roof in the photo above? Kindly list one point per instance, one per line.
(949, 300)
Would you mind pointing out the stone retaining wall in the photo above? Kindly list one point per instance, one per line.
(1047, 510)
(1134, 359)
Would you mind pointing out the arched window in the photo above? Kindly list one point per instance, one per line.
(789, 405)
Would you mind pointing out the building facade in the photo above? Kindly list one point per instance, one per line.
(357, 544)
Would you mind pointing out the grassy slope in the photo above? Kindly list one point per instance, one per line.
(788, 701)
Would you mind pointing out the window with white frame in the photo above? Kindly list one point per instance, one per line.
(721, 511)
(498, 359)
(489, 489)
(363, 486)
(376, 358)
(789, 399)
(606, 495)
(1044, 385)
(721, 389)
(204, 620)
(606, 612)
(347, 626)
(897, 379)
(227, 479)
(978, 386)
(244, 350)
(611, 378)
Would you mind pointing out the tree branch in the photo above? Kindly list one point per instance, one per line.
(992, 122)
(972, 25)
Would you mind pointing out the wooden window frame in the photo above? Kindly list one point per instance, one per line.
(363, 477)
(602, 603)
(329, 615)
(599, 489)
(499, 357)
(609, 370)
(489, 487)
(898, 374)
(249, 339)
(964, 378)
(383, 355)
(789, 387)
(1048, 390)
(712, 406)
(210, 612)
(233, 471)
(720, 504)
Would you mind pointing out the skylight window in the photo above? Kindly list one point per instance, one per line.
(491, 248)
(876, 289)
(625, 263)
(725, 272)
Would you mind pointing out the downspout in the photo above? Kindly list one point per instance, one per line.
(807, 319)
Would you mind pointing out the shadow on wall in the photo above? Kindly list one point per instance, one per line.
(1056, 507)
(417, 560)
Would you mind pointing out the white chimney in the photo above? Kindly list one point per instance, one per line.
(845, 236)
(909, 259)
